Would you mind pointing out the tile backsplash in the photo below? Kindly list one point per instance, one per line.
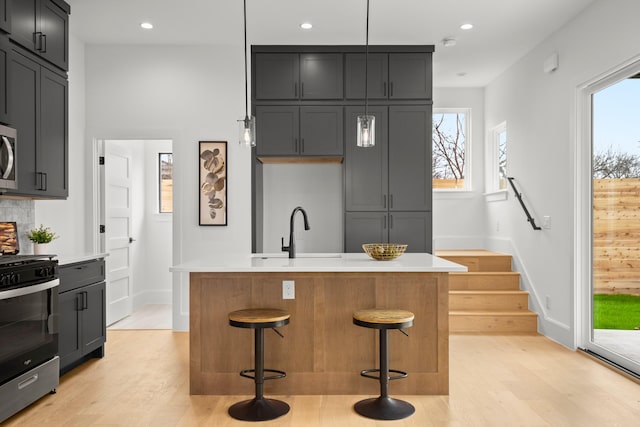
(22, 212)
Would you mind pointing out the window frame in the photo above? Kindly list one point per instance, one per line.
(159, 187)
(494, 192)
(467, 185)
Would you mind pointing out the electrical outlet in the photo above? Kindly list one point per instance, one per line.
(546, 222)
(288, 289)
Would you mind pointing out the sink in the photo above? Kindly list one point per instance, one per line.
(298, 255)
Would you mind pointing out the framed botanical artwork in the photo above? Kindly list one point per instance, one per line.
(213, 182)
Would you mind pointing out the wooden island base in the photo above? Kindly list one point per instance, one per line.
(322, 351)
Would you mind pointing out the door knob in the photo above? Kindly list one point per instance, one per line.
(131, 240)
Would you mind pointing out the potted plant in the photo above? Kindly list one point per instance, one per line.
(41, 237)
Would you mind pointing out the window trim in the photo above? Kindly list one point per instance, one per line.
(468, 185)
(494, 192)
(159, 186)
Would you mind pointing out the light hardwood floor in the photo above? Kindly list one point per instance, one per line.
(495, 381)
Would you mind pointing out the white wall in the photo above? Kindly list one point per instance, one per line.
(318, 189)
(540, 111)
(68, 217)
(459, 217)
(186, 94)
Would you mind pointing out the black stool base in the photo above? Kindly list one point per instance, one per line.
(258, 409)
(384, 408)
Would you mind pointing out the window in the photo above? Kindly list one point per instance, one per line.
(450, 148)
(497, 159)
(165, 183)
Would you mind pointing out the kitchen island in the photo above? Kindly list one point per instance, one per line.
(323, 352)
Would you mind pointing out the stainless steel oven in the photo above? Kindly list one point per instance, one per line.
(29, 366)
(8, 158)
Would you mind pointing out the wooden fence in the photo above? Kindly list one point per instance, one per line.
(616, 235)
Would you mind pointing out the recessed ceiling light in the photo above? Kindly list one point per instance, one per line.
(466, 26)
(146, 25)
(306, 26)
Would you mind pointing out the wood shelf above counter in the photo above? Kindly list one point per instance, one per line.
(322, 352)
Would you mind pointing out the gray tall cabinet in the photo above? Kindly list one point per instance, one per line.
(306, 100)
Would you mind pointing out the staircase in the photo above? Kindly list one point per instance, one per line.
(487, 298)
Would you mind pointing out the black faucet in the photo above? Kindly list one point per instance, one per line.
(292, 246)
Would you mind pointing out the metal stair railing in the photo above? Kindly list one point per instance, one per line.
(524, 207)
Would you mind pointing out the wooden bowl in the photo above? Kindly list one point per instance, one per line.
(384, 251)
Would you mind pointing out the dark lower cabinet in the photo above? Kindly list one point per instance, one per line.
(410, 228)
(38, 105)
(82, 306)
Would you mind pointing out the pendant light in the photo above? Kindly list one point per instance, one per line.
(366, 126)
(247, 126)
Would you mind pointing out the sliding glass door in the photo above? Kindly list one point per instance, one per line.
(615, 221)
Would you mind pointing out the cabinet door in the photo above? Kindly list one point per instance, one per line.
(52, 146)
(412, 229)
(410, 158)
(321, 130)
(5, 79)
(364, 227)
(24, 103)
(366, 177)
(321, 76)
(69, 338)
(276, 76)
(24, 22)
(277, 130)
(93, 317)
(410, 76)
(54, 26)
(377, 71)
(5, 15)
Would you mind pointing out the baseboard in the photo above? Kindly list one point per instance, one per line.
(152, 297)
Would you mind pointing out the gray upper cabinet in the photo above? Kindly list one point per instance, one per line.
(5, 68)
(5, 16)
(390, 76)
(293, 76)
(410, 158)
(42, 26)
(287, 131)
(39, 105)
(366, 169)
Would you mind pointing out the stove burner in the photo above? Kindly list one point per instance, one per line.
(8, 260)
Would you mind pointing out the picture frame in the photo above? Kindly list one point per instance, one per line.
(213, 183)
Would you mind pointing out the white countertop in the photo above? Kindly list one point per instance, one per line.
(345, 262)
(65, 259)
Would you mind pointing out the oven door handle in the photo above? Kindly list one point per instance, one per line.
(10, 160)
(12, 293)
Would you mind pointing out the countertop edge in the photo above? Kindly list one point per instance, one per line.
(74, 259)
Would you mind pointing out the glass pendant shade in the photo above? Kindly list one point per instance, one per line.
(366, 131)
(247, 131)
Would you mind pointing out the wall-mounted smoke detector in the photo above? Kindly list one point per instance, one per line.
(449, 42)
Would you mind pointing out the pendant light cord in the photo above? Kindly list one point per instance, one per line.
(366, 64)
(246, 89)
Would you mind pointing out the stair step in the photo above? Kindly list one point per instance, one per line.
(522, 322)
(488, 300)
(501, 280)
(478, 259)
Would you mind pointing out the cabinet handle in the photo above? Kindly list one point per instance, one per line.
(384, 201)
(391, 201)
(43, 44)
(384, 89)
(302, 145)
(85, 300)
(390, 221)
(385, 222)
(391, 89)
(302, 90)
(37, 40)
(79, 302)
(295, 90)
(295, 144)
(41, 181)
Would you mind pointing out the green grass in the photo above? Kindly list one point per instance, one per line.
(616, 312)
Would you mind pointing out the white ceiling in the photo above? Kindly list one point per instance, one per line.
(504, 30)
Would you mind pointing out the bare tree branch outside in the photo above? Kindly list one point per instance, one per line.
(448, 146)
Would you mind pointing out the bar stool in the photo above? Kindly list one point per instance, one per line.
(259, 408)
(384, 407)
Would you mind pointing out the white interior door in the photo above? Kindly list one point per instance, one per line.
(118, 187)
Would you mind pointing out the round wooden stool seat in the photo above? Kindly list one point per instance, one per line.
(259, 318)
(378, 318)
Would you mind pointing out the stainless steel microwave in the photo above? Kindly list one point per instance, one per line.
(8, 158)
